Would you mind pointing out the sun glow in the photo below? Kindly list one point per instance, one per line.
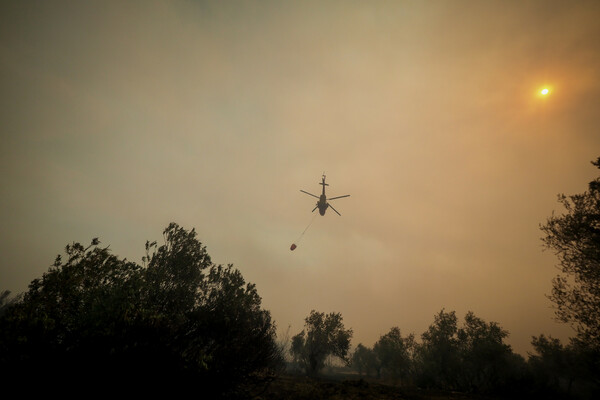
(544, 91)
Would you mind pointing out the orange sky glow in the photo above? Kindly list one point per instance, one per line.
(119, 118)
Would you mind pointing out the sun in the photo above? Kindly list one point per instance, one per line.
(545, 91)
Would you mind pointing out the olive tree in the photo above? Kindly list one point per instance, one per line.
(179, 318)
(438, 355)
(575, 238)
(485, 358)
(365, 361)
(323, 336)
(393, 353)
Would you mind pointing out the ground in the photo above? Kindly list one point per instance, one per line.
(298, 387)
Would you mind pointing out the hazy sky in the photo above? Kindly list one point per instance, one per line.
(120, 117)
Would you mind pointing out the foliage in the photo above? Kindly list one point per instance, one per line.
(233, 330)
(96, 317)
(6, 301)
(485, 358)
(79, 311)
(472, 357)
(364, 360)
(549, 361)
(438, 356)
(569, 369)
(324, 335)
(575, 239)
(392, 352)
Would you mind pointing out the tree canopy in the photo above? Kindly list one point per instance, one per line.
(575, 238)
(393, 353)
(365, 361)
(323, 335)
(180, 317)
(472, 357)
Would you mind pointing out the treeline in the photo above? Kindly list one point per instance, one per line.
(178, 321)
(474, 358)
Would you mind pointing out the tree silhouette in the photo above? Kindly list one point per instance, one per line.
(181, 319)
(472, 357)
(76, 317)
(575, 239)
(557, 368)
(439, 352)
(365, 361)
(485, 358)
(392, 351)
(323, 335)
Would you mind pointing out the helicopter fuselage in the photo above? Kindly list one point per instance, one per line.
(322, 203)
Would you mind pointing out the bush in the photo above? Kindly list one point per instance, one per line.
(179, 319)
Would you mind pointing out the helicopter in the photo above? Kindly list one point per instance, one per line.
(322, 204)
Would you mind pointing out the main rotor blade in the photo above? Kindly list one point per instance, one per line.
(334, 210)
(339, 197)
(310, 194)
(314, 209)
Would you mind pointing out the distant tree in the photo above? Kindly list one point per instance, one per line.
(323, 335)
(392, 351)
(472, 357)
(558, 368)
(575, 239)
(485, 358)
(365, 361)
(96, 317)
(438, 355)
(548, 362)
